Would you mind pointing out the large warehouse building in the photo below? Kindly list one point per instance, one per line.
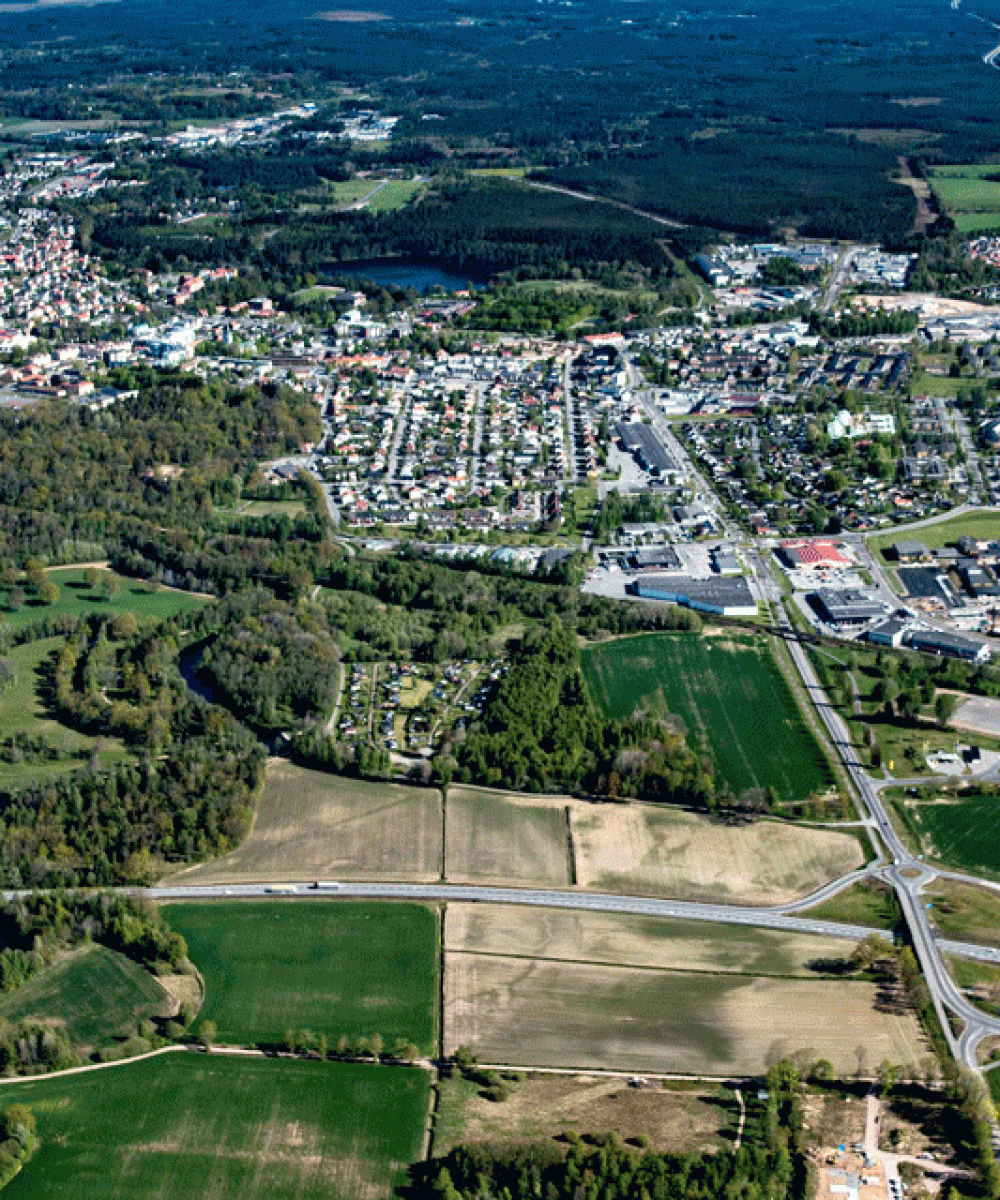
(721, 596)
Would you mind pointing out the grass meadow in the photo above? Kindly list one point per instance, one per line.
(223, 1128)
(94, 993)
(329, 966)
(730, 696)
(960, 830)
(23, 710)
(78, 600)
(980, 524)
(969, 193)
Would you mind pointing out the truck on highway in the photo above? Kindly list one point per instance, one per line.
(329, 885)
(281, 889)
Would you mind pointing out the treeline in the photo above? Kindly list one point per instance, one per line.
(18, 1140)
(542, 733)
(189, 795)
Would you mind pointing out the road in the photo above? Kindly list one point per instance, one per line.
(908, 876)
(838, 278)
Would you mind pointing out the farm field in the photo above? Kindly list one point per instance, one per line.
(223, 1128)
(532, 1012)
(731, 697)
(94, 993)
(959, 830)
(965, 913)
(970, 194)
(979, 524)
(646, 850)
(492, 837)
(334, 967)
(23, 710)
(543, 1106)
(617, 939)
(77, 600)
(311, 825)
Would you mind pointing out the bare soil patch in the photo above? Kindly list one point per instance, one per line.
(618, 939)
(536, 1013)
(640, 849)
(543, 1106)
(310, 825)
(492, 837)
(978, 714)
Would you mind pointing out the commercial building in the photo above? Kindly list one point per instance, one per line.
(847, 606)
(813, 555)
(722, 597)
(909, 550)
(948, 645)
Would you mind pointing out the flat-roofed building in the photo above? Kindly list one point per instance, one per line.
(847, 606)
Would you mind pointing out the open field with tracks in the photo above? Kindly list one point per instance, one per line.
(495, 837)
(310, 825)
(644, 850)
(543, 1106)
(542, 1012)
(964, 913)
(730, 697)
(223, 1128)
(617, 939)
(960, 830)
(24, 710)
(94, 993)
(335, 968)
(77, 599)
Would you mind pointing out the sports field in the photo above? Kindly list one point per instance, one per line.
(94, 993)
(334, 967)
(959, 830)
(970, 194)
(539, 1012)
(618, 939)
(311, 825)
(493, 837)
(642, 849)
(222, 1128)
(730, 696)
(23, 710)
(77, 599)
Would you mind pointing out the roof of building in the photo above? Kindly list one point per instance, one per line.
(814, 553)
(849, 605)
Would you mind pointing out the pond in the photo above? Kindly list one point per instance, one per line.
(403, 273)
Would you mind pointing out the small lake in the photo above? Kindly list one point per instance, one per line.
(403, 273)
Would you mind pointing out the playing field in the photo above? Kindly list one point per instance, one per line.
(222, 1128)
(526, 1011)
(970, 194)
(641, 849)
(731, 698)
(23, 709)
(492, 837)
(619, 939)
(77, 599)
(310, 825)
(959, 830)
(334, 967)
(94, 993)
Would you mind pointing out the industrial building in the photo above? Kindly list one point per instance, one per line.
(949, 645)
(847, 606)
(640, 441)
(723, 597)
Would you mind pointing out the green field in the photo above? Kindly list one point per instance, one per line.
(963, 912)
(94, 993)
(871, 904)
(979, 524)
(393, 196)
(959, 830)
(23, 710)
(967, 194)
(731, 697)
(77, 600)
(181, 1127)
(328, 966)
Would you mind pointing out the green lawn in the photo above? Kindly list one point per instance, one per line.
(731, 697)
(982, 523)
(76, 599)
(352, 190)
(960, 831)
(967, 191)
(964, 913)
(329, 966)
(95, 993)
(871, 904)
(186, 1127)
(23, 710)
(393, 196)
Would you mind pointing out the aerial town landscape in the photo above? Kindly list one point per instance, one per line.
(499, 602)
